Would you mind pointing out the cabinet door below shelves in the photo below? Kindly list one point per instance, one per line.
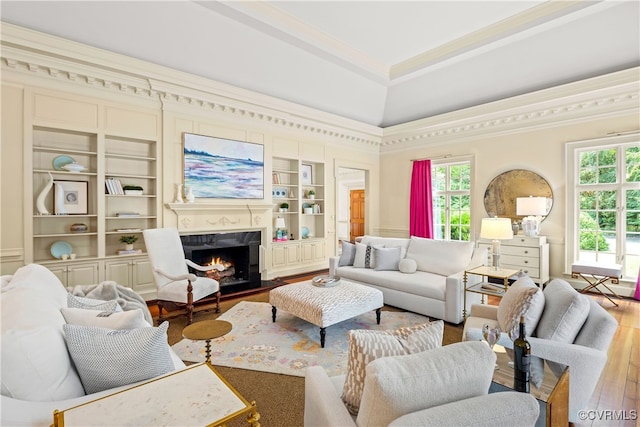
(76, 274)
(285, 254)
(312, 251)
(133, 273)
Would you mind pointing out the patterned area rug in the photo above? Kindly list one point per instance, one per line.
(287, 346)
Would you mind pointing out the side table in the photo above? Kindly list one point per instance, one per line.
(207, 330)
(196, 395)
(485, 288)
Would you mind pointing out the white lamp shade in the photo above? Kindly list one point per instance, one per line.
(534, 206)
(280, 223)
(496, 229)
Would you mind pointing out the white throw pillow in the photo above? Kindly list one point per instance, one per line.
(348, 254)
(364, 256)
(408, 265)
(107, 358)
(368, 345)
(92, 304)
(439, 256)
(131, 319)
(36, 366)
(523, 298)
(387, 258)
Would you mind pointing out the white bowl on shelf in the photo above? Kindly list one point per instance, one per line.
(74, 167)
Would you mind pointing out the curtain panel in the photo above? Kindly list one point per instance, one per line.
(421, 204)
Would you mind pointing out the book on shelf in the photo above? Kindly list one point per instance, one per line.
(130, 252)
(128, 229)
(127, 214)
(114, 186)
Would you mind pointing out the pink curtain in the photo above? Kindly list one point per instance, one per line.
(637, 294)
(420, 204)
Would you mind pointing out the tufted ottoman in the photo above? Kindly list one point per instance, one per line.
(324, 307)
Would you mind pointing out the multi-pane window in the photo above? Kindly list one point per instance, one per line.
(607, 205)
(451, 192)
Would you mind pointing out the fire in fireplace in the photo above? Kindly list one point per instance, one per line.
(237, 252)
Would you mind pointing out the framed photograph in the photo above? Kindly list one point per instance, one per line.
(279, 192)
(305, 174)
(70, 197)
(219, 168)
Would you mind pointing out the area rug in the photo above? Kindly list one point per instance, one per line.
(287, 346)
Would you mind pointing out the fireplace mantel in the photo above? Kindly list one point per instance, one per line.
(206, 216)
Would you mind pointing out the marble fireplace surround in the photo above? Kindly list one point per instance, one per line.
(224, 216)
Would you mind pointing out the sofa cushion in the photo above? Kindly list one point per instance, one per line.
(387, 258)
(439, 256)
(367, 345)
(107, 358)
(131, 319)
(36, 365)
(400, 385)
(408, 265)
(565, 312)
(364, 255)
(348, 254)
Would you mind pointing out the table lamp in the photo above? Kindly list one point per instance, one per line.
(280, 227)
(533, 209)
(496, 229)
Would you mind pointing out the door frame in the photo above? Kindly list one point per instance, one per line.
(366, 168)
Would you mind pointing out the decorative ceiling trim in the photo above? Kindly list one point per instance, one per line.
(25, 52)
(612, 95)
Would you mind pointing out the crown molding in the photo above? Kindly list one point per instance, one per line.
(34, 55)
(612, 95)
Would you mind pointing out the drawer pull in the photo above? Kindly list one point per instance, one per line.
(526, 252)
(526, 262)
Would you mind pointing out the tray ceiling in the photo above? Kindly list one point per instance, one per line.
(378, 62)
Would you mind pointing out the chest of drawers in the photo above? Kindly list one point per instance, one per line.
(529, 254)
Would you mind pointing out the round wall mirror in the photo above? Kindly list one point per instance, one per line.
(502, 192)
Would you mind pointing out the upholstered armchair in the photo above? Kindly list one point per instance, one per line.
(567, 330)
(446, 386)
(171, 273)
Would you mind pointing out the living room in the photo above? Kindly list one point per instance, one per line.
(55, 83)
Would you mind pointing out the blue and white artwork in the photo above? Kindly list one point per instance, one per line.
(223, 168)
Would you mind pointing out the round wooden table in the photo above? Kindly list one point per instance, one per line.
(207, 330)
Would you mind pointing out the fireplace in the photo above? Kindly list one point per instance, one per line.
(238, 252)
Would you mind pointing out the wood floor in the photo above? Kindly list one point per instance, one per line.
(619, 385)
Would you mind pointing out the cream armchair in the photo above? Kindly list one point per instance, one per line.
(171, 273)
(447, 386)
(585, 355)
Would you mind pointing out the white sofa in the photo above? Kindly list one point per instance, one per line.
(38, 375)
(446, 386)
(435, 288)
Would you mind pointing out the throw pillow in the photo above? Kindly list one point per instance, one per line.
(364, 256)
(107, 358)
(565, 312)
(131, 319)
(36, 366)
(523, 298)
(408, 265)
(387, 258)
(367, 345)
(92, 304)
(348, 254)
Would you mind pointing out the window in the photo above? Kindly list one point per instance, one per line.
(604, 197)
(451, 191)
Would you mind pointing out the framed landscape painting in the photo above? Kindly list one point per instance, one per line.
(219, 168)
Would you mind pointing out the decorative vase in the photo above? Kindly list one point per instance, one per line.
(42, 209)
(179, 198)
(190, 196)
(59, 199)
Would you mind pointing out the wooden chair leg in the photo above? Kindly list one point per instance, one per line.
(189, 303)
(218, 302)
(160, 307)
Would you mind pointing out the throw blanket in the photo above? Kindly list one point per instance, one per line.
(110, 290)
